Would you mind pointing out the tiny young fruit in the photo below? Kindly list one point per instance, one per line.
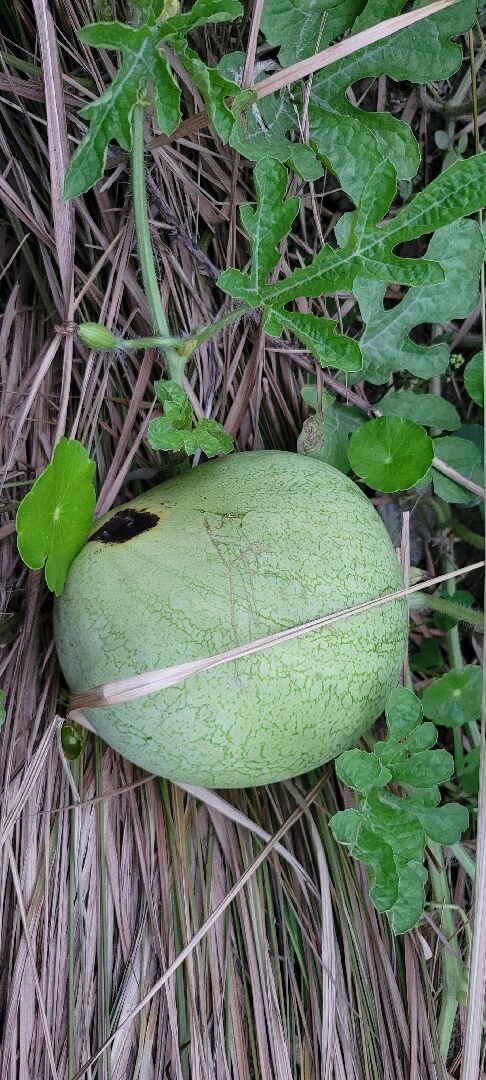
(96, 336)
(236, 550)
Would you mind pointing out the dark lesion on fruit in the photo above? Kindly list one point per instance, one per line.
(124, 526)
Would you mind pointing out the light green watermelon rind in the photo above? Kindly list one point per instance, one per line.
(274, 541)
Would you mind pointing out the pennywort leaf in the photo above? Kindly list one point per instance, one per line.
(54, 519)
(455, 698)
(390, 454)
(72, 741)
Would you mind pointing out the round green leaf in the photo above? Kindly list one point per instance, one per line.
(54, 519)
(462, 455)
(474, 379)
(427, 409)
(455, 698)
(391, 454)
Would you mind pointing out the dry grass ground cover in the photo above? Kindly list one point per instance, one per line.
(109, 876)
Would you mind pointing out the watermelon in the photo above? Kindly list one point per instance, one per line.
(232, 551)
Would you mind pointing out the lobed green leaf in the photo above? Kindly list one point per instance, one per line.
(361, 771)
(420, 54)
(144, 67)
(319, 335)
(403, 714)
(300, 27)
(386, 344)
(261, 130)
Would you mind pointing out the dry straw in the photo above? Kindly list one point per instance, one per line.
(115, 693)
(345, 48)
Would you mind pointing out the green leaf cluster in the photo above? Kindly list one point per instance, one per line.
(388, 831)
(369, 153)
(272, 127)
(175, 430)
(421, 53)
(368, 252)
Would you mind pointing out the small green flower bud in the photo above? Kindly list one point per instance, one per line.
(95, 336)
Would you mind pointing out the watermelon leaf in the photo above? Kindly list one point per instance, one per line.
(388, 832)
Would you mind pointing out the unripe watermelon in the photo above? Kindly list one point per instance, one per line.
(235, 550)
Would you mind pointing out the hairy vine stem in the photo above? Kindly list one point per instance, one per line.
(175, 362)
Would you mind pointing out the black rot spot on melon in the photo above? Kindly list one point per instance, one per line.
(124, 526)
